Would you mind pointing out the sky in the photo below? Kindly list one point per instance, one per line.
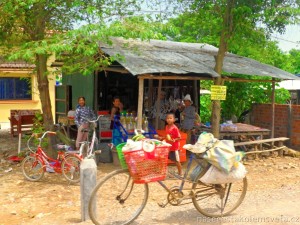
(289, 40)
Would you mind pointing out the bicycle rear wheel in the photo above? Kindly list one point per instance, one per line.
(32, 168)
(216, 200)
(70, 168)
(117, 200)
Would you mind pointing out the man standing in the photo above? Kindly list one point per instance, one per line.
(188, 116)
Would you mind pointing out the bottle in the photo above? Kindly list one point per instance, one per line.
(130, 124)
(127, 121)
(123, 119)
(145, 125)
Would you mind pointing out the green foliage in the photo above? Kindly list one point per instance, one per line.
(205, 108)
(293, 61)
(38, 126)
(203, 23)
(205, 102)
(40, 27)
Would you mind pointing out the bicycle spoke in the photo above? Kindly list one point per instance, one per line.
(219, 200)
(32, 168)
(117, 200)
(71, 168)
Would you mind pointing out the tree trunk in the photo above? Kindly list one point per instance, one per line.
(43, 86)
(223, 47)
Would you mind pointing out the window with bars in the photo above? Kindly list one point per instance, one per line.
(15, 88)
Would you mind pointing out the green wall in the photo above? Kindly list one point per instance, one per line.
(80, 86)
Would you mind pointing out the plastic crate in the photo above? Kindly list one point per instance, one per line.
(145, 167)
(121, 155)
(105, 134)
(103, 112)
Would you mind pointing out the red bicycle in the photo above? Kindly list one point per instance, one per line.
(38, 162)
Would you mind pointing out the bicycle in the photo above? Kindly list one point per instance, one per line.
(116, 199)
(87, 147)
(38, 162)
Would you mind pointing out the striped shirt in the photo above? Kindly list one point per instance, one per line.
(83, 114)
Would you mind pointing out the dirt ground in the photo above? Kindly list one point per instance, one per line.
(273, 195)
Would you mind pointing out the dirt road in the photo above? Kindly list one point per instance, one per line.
(273, 196)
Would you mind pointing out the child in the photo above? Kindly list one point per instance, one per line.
(173, 137)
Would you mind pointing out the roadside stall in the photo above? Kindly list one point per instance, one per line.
(147, 67)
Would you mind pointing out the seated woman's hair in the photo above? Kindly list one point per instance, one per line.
(116, 97)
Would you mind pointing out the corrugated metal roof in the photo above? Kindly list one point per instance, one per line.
(155, 57)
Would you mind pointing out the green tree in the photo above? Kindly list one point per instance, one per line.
(233, 20)
(293, 62)
(34, 30)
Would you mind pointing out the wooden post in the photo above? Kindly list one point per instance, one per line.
(216, 112)
(273, 108)
(19, 129)
(290, 123)
(158, 103)
(280, 152)
(140, 103)
(196, 93)
(150, 93)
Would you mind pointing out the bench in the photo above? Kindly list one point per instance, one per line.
(273, 144)
(21, 120)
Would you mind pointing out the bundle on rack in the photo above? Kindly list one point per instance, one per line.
(225, 161)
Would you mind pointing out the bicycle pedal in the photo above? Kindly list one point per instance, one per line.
(97, 152)
(163, 205)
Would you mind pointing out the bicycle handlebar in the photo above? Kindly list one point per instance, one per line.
(94, 121)
(37, 135)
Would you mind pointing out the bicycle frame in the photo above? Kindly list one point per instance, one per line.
(48, 161)
(90, 145)
(183, 179)
(44, 158)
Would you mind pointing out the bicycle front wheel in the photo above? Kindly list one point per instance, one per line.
(32, 168)
(70, 168)
(216, 200)
(117, 200)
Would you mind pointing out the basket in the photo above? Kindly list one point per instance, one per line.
(121, 155)
(145, 169)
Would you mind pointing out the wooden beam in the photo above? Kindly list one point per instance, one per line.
(178, 77)
(185, 77)
(14, 70)
(245, 80)
(117, 70)
(140, 103)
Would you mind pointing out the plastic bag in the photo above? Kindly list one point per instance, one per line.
(196, 171)
(223, 155)
(216, 176)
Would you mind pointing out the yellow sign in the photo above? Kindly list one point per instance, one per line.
(218, 92)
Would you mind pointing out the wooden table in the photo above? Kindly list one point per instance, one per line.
(242, 129)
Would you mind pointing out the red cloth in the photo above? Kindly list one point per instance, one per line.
(174, 132)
